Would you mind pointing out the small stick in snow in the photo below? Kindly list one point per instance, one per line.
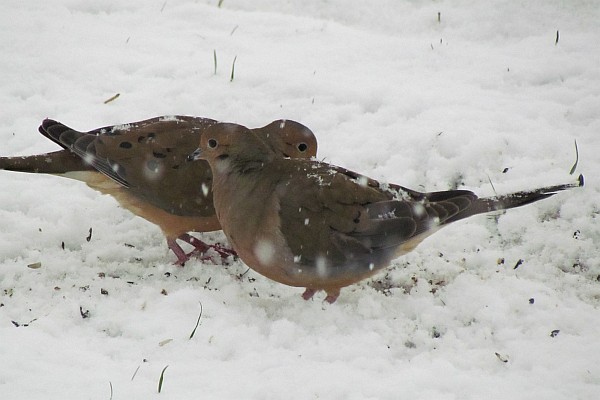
(112, 98)
(556, 42)
(16, 324)
(84, 314)
(136, 371)
(89, 237)
(242, 275)
(492, 184)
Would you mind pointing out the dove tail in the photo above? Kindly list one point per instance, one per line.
(54, 130)
(58, 162)
(517, 199)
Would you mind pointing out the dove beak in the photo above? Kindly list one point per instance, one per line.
(196, 155)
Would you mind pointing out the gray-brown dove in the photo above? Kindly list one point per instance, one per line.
(144, 166)
(309, 224)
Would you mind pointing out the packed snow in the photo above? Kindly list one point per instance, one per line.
(432, 95)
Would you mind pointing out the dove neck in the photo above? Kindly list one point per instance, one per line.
(238, 166)
(252, 157)
(250, 166)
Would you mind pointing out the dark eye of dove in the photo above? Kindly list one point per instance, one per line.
(302, 147)
(212, 143)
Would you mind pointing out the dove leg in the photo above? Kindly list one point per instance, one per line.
(175, 248)
(308, 293)
(332, 296)
(203, 247)
(224, 251)
(197, 243)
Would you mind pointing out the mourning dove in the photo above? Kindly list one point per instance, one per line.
(144, 166)
(310, 224)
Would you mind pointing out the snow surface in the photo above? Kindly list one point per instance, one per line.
(390, 92)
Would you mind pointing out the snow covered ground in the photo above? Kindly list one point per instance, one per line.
(484, 93)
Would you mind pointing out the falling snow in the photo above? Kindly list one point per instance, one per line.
(264, 251)
(205, 189)
(88, 158)
(387, 215)
(321, 265)
(431, 95)
(419, 210)
(363, 181)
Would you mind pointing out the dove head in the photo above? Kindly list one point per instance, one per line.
(290, 138)
(228, 147)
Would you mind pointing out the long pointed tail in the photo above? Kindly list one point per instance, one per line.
(52, 130)
(58, 162)
(517, 199)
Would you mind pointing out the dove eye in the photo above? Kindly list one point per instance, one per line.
(212, 143)
(302, 147)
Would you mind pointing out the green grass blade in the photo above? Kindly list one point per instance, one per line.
(574, 167)
(215, 60)
(233, 69)
(197, 323)
(160, 380)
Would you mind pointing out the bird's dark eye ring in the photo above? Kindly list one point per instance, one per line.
(212, 143)
(302, 147)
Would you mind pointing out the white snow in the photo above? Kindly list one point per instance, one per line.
(121, 127)
(390, 92)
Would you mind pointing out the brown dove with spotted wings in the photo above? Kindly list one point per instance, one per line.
(144, 166)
